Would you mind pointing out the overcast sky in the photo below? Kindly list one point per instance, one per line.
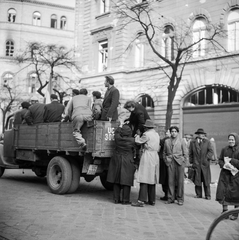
(70, 3)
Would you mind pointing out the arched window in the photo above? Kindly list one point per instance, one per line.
(199, 32)
(7, 79)
(233, 30)
(12, 13)
(53, 21)
(148, 103)
(9, 48)
(63, 22)
(168, 42)
(139, 51)
(212, 95)
(36, 19)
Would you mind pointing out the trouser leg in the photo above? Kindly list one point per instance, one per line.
(180, 181)
(116, 191)
(126, 193)
(171, 181)
(198, 190)
(207, 189)
(151, 193)
(165, 190)
(143, 192)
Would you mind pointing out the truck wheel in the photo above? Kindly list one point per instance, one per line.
(2, 169)
(75, 176)
(59, 175)
(106, 185)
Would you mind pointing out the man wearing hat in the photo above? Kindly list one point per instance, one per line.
(200, 154)
(148, 172)
(54, 110)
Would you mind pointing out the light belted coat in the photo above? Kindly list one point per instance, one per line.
(148, 171)
(177, 151)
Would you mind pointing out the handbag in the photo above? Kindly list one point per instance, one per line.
(191, 174)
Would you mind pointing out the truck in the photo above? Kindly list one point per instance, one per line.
(50, 150)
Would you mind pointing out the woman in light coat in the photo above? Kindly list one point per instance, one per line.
(148, 172)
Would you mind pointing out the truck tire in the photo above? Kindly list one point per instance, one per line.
(59, 175)
(2, 169)
(75, 176)
(103, 178)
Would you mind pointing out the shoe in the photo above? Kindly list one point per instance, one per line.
(117, 201)
(150, 203)
(137, 204)
(169, 202)
(197, 196)
(164, 198)
(180, 203)
(208, 198)
(126, 202)
(234, 217)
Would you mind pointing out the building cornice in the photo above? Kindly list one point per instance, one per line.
(43, 3)
(100, 29)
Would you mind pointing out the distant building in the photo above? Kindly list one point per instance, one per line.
(208, 95)
(24, 21)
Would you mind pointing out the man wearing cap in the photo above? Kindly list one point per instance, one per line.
(35, 112)
(200, 154)
(148, 172)
(175, 156)
(111, 101)
(54, 110)
(97, 105)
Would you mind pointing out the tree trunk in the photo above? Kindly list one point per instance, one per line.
(169, 111)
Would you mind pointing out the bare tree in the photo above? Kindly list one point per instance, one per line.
(47, 60)
(147, 17)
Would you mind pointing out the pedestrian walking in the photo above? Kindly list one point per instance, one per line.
(121, 168)
(175, 156)
(148, 172)
(228, 184)
(200, 154)
(163, 170)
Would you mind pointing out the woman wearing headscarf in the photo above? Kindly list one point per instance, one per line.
(121, 168)
(228, 184)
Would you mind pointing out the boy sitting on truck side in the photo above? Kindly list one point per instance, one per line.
(79, 110)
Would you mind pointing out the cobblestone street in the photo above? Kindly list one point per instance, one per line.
(30, 212)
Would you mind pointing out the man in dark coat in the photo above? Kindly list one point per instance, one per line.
(35, 112)
(200, 154)
(138, 116)
(163, 170)
(111, 101)
(121, 168)
(19, 115)
(54, 110)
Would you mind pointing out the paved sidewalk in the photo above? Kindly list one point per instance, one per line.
(30, 212)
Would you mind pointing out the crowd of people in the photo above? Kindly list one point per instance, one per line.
(138, 147)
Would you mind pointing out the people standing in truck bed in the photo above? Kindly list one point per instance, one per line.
(19, 115)
(53, 111)
(97, 105)
(111, 101)
(35, 112)
(79, 110)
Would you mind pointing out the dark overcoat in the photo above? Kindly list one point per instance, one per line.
(110, 104)
(53, 112)
(228, 185)
(34, 114)
(199, 157)
(121, 168)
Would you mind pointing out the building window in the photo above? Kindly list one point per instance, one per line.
(168, 42)
(7, 79)
(36, 19)
(212, 95)
(53, 21)
(199, 32)
(12, 15)
(9, 48)
(63, 23)
(148, 103)
(139, 51)
(103, 55)
(104, 6)
(33, 83)
(233, 30)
